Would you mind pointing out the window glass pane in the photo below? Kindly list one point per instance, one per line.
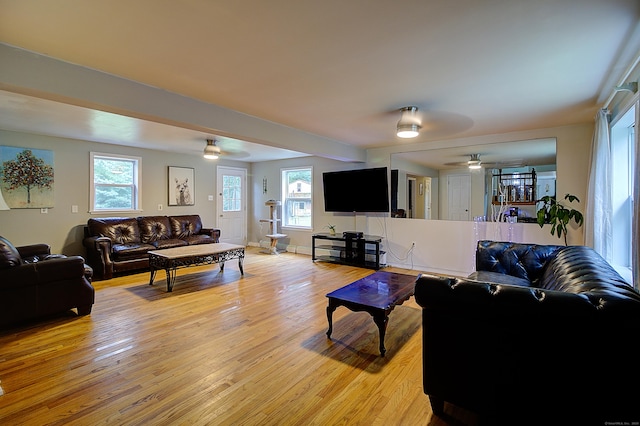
(114, 182)
(114, 197)
(112, 171)
(231, 193)
(297, 194)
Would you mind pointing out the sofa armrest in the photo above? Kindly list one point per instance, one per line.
(99, 251)
(57, 269)
(212, 232)
(469, 298)
(34, 251)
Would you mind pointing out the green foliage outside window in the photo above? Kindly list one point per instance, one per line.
(114, 184)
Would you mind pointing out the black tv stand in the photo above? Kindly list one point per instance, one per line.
(351, 251)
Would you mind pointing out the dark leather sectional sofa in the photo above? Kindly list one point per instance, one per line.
(537, 335)
(120, 244)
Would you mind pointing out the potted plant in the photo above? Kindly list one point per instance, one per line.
(558, 215)
(332, 229)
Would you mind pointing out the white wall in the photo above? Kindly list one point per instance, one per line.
(446, 246)
(64, 230)
(297, 240)
(442, 246)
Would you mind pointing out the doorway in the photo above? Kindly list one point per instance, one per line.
(459, 194)
(231, 204)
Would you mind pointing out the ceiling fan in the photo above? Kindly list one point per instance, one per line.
(216, 149)
(474, 162)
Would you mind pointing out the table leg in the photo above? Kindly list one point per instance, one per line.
(171, 278)
(240, 266)
(153, 275)
(381, 320)
(221, 266)
(332, 307)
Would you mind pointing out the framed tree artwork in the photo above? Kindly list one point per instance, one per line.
(26, 177)
(182, 186)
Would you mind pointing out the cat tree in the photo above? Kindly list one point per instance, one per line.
(273, 234)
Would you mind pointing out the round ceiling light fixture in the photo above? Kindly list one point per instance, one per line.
(409, 124)
(211, 151)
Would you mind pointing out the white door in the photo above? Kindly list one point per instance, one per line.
(427, 198)
(232, 204)
(459, 192)
(411, 196)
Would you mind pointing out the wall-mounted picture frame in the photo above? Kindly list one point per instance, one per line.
(182, 186)
(26, 178)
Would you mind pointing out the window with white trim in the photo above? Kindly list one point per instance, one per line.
(115, 183)
(623, 171)
(297, 196)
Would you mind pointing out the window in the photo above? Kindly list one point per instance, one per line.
(115, 183)
(623, 172)
(297, 194)
(231, 193)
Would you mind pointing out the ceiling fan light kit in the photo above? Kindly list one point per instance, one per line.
(409, 124)
(211, 151)
(474, 163)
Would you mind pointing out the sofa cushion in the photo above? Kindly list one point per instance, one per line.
(520, 260)
(498, 278)
(199, 239)
(154, 228)
(120, 230)
(185, 226)
(130, 251)
(9, 256)
(169, 243)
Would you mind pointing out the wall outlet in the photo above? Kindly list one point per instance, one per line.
(210, 197)
(44, 210)
(74, 209)
(159, 207)
(413, 244)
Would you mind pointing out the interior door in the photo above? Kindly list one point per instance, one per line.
(411, 196)
(459, 193)
(232, 204)
(427, 198)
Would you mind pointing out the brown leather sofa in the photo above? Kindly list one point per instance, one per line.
(34, 283)
(120, 244)
(537, 335)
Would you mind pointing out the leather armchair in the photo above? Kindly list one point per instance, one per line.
(36, 283)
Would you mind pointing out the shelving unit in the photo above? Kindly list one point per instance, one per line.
(351, 251)
(514, 188)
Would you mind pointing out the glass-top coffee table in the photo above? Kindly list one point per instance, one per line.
(378, 294)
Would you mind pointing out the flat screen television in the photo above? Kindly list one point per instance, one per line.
(363, 190)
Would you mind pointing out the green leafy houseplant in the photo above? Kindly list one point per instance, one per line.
(558, 215)
(331, 228)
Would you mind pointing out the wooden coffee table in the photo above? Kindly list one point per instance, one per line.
(177, 257)
(376, 294)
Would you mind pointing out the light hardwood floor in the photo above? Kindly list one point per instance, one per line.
(222, 349)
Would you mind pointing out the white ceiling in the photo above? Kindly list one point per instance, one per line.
(339, 69)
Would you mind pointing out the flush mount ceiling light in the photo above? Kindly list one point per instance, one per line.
(211, 151)
(475, 162)
(409, 124)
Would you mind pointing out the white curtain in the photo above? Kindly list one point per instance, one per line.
(598, 231)
(635, 239)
